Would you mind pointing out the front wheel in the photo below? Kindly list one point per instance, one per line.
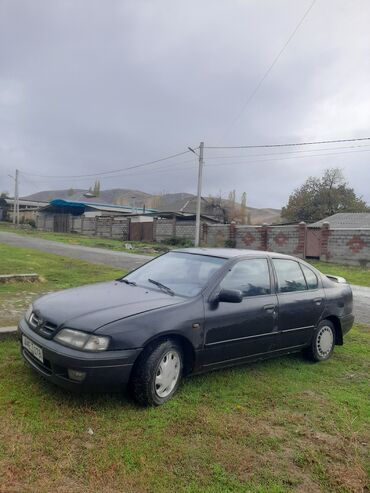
(323, 342)
(157, 374)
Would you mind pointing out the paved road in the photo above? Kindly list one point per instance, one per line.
(130, 261)
(121, 260)
(361, 297)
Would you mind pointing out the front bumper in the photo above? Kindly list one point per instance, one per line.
(107, 370)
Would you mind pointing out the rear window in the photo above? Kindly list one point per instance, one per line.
(289, 275)
(311, 278)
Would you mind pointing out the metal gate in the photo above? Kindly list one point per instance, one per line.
(61, 223)
(313, 242)
(141, 231)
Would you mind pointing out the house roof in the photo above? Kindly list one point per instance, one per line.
(79, 207)
(344, 220)
(22, 202)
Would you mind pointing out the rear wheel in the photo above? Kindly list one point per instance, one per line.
(323, 342)
(157, 374)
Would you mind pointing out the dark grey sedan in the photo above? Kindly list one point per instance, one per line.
(187, 311)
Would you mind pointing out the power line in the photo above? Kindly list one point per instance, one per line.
(284, 158)
(173, 167)
(243, 156)
(289, 144)
(272, 65)
(112, 171)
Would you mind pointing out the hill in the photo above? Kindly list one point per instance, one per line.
(170, 202)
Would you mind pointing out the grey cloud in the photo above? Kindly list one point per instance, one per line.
(90, 86)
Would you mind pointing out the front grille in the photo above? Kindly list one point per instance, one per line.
(40, 326)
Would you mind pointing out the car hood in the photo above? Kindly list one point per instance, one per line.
(90, 307)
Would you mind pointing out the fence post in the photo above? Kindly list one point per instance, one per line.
(155, 219)
(174, 226)
(205, 233)
(232, 233)
(325, 233)
(264, 238)
(111, 226)
(302, 234)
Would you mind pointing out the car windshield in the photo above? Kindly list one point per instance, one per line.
(184, 274)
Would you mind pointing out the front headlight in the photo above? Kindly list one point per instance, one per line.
(28, 313)
(80, 340)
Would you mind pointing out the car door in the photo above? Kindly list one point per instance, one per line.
(234, 331)
(301, 301)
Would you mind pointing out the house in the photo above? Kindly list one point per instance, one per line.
(27, 209)
(345, 220)
(56, 215)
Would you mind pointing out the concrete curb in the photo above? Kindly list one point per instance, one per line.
(8, 332)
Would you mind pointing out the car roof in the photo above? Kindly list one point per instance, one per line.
(231, 252)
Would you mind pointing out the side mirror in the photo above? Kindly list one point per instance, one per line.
(230, 296)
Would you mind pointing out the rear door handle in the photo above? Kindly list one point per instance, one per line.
(317, 301)
(269, 308)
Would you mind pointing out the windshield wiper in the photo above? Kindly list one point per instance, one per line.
(162, 286)
(126, 281)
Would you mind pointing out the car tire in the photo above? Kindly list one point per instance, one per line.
(323, 342)
(157, 374)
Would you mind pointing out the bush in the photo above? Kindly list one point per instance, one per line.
(179, 241)
(230, 244)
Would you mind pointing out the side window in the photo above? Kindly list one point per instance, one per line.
(251, 277)
(289, 275)
(311, 278)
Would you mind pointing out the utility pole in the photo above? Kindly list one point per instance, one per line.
(16, 195)
(199, 195)
(16, 198)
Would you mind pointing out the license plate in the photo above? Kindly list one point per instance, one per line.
(32, 348)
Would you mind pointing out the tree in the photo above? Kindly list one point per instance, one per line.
(318, 198)
(70, 192)
(243, 207)
(96, 190)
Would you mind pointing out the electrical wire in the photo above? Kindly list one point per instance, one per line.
(168, 168)
(290, 144)
(271, 66)
(243, 156)
(111, 171)
(284, 158)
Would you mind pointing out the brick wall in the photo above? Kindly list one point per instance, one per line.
(45, 222)
(105, 227)
(250, 237)
(348, 246)
(284, 239)
(165, 229)
(215, 235)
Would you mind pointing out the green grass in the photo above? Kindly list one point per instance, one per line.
(353, 274)
(57, 273)
(89, 241)
(282, 425)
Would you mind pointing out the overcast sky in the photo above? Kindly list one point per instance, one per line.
(88, 86)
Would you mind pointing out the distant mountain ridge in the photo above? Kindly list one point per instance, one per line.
(169, 202)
